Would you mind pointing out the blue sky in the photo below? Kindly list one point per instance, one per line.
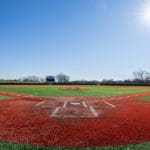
(86, 39)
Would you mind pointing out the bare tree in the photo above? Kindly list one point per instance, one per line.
(62, 78)
(147, 78)
(31, 79)
(141, 75)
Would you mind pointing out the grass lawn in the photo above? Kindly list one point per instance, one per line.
(10, 146)
(146, 98)
(4, 97)
(98, 91)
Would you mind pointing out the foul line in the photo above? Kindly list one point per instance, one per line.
(109, 104)
(65, 104)
(84, 104)
(93, 111)
(55, 112)
(39, 104)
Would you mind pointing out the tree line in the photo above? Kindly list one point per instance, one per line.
(140, 77)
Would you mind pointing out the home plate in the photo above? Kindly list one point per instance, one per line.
(75, 103)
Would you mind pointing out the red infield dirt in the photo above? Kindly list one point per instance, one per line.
(74, 121)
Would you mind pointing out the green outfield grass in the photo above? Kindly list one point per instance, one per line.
(10, 146)
(4, 97)
(98, 91)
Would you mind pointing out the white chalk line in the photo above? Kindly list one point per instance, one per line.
(39, 103)
(113, 98)
(113, 106)
(65, 104)
(84, 104)
(93, 111)
(76, 116)
(55, 112)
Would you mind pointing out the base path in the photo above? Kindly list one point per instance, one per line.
(74, 121)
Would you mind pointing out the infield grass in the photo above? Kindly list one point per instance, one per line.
(4, 97)
(89, 91)
(146, 98)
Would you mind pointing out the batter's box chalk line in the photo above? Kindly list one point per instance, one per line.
(81, 109)
(91, 111)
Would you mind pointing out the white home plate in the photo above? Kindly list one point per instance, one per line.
(75, 103)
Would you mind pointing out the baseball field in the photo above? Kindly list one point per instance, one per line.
(74, 117)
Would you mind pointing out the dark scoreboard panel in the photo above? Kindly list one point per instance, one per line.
(50, 79)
